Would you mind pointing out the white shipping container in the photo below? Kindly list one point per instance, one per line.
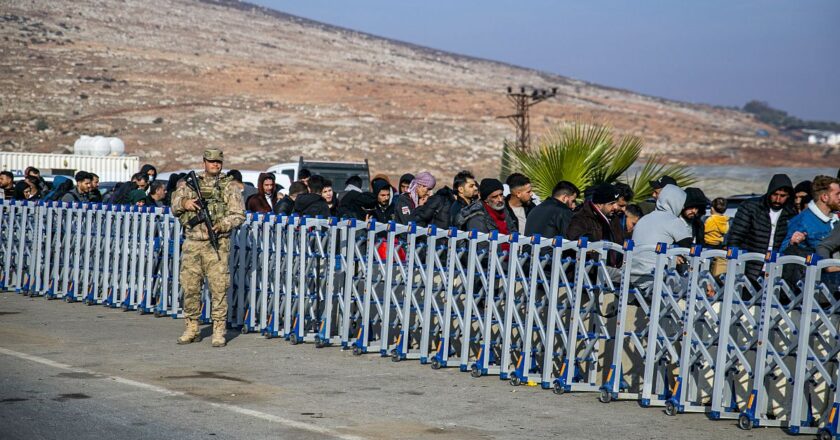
(108, 168)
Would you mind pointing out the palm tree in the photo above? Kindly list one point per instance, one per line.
(588, 155)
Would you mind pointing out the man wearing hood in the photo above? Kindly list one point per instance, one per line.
(664, 225)
(761, 225)
(657, 186)
(383, 212)
(312, 203)
(693, 212)
(263, 200)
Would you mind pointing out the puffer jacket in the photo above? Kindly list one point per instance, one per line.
(475, 217)
(750, 230)
(436, 210)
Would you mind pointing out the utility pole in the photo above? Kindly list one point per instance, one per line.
(522, 101)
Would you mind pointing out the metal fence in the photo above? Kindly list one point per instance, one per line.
(531, 310)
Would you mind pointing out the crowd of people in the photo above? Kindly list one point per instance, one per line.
(792, 220)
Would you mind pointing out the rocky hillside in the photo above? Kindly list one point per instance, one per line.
(172, 77)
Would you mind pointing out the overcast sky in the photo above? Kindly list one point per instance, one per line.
(724, 52)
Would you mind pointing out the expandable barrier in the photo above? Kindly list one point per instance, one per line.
(570, 316)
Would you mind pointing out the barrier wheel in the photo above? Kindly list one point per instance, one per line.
(515, 381)
(89, 302)
(395, 356)
(124, 307)
(293, 338)
(68, 299)
(605, 396)
(159, 314)
(144, 312)
(244, 330)
(825, 434)
(268, 335)
(475, 372)
(357, 351)
(320, 343)
(558, 389)
(671, 409)
(746, 423)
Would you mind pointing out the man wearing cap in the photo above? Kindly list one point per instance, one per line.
(657, 185)
(593, 219)
(198, 258)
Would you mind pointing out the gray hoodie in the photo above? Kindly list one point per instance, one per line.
(663, 225)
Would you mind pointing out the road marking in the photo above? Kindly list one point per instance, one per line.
(167, 392)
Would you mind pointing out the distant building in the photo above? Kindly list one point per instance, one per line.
(822, 137)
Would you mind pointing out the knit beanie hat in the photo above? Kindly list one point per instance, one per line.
(489, 186)
(136, 195)
(605, 193)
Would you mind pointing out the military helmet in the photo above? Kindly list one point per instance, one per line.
(214, 154)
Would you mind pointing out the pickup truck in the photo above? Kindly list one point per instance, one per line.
(337, 172)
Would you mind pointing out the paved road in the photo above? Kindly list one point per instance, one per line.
(72, 371)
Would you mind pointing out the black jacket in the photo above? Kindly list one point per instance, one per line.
(436, 210)
(404, 210)
(550, 219)
(312, 205)
(455, 209)
(357, 205)
(528, 208)
(750, 230)
(284, 206)
(383, 214)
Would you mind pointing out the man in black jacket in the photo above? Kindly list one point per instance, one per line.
(466, 190)
(436, 210)
(761, 225)
(551, 218)
(286, 204)
(311, 203)
(384, 210)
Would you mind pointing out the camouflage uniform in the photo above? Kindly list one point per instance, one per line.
(198, 258)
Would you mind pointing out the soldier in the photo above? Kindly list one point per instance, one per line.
(199, 260)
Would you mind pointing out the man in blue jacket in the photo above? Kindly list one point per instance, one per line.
(812, 225)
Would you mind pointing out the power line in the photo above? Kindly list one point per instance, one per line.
(522, 101)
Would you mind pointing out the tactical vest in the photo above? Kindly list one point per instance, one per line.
(212, 193)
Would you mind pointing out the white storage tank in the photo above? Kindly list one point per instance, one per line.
(98, 146)
(117, 147)
(101, 147)
(81, 146)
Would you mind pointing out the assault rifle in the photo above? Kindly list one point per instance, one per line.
(203, 215)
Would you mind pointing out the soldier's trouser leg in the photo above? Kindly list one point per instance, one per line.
(192, 277)
(198, 259)
(218, 279)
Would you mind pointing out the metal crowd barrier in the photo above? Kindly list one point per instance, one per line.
(568, 316)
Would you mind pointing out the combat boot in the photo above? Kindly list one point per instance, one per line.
(219, 331)
(191, 333)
